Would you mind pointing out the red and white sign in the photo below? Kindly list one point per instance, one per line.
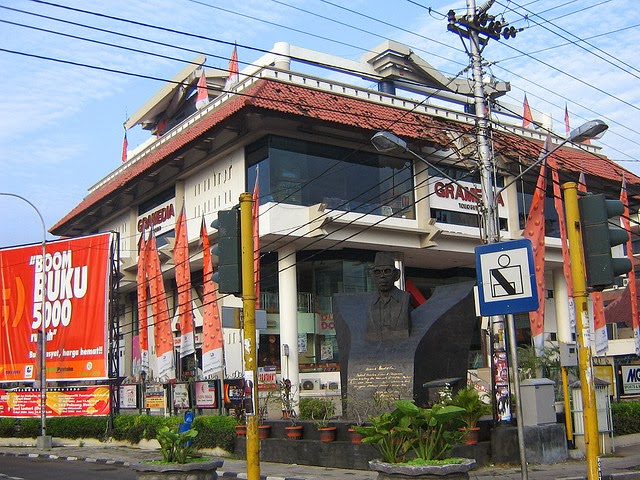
(61, 402)
(446, 195)
(75, 309)
(161, 218)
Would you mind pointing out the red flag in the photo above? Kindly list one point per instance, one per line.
(234, 75)
(567, 127)
(535, 230)
(183, 282)
(202, 97)
(527, 118)
(632, 276)
(142, 305)
(255, 213)
(125, 147)
(161, 323)
(212, 342)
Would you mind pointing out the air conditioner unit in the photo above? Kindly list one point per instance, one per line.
(310, 384)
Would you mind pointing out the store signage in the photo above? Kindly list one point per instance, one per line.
(630, 379)
(459, 197)
(162, 218)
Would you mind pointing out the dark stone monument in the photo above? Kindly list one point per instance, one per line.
(397, 356)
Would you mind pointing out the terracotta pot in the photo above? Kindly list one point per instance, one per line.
(327, 434)
(264, 431)
(241, 430)
(294, 431)
(471, 435)
(355, 436)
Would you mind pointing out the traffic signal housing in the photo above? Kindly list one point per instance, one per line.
(228, 276)
(598, 237)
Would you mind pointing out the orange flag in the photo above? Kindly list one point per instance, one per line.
(161, 323)
(255, 213)
(527, 118)
(202, 97)
(142, 305)
(234, 75)
(125, 147)
(535, 230)
(212, 341)
(632, 276)
(183, 282)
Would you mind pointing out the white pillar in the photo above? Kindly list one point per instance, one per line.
(288, 291)
(565, 313)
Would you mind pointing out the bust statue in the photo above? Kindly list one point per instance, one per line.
(389, 310)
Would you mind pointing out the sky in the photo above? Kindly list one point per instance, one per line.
(63, 99)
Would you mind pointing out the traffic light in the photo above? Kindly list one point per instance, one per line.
(598, 237)
(229, 252)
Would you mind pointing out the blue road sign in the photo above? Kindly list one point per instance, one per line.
(506, 278)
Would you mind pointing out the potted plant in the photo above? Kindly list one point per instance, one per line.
(414, 441)
(320, 411)
(468, 399)
(180, 460)
(289, 404)
(358, 408)
(264, 430)
(240, 418)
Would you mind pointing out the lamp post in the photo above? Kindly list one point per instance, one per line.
(43, 440)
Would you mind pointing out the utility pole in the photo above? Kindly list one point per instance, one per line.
(250, 342)
(479, 27)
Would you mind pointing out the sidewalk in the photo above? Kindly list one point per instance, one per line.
(624, 464)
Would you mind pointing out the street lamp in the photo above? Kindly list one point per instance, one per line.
(43, 441)
(387, 142)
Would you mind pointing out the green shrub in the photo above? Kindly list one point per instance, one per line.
(78, 427)
(215, 431)
(316, 409)
(134, 428)
(626, 417)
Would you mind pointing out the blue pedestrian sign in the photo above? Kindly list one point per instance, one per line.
(506, 278)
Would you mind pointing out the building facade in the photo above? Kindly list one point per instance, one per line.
(329, 200)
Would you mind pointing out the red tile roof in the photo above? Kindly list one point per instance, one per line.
(335, 108)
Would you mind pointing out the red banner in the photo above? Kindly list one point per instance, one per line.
(61, 402)
(75, 309)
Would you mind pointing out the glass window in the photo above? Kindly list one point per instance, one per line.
(525, 196)
(305, 173)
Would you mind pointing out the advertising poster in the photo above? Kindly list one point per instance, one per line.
(61, 402)
(267, 378)
(238, 393)
(68, 291)
(129, 396)
(206, 394)
(181, 395)
(155, 397)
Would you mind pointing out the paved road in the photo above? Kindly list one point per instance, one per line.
(624, 464)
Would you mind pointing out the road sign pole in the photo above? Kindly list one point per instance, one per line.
(578, 279)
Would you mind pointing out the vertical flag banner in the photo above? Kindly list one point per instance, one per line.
(535, 231)
(212, 341)
(527, 118)
(255, 214)
(125, 147)
(183, 282)
(202, 97)
(234, 74)
(566, 262)
(161, 323)
(70, 290)
(567, 126)
(141, 279)
(632, 276)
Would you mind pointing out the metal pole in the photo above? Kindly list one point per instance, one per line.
(583, 335)
(43, 335)
(567, 406)
(250, 344)
(513, 353)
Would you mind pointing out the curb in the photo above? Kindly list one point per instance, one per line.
(108, 461)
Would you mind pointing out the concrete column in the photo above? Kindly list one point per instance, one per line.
(288, 291)
(282, 50)
(565, 312)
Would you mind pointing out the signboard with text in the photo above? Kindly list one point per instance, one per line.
(61, 402)
(69, 290)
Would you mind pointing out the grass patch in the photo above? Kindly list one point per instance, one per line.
(447, 461)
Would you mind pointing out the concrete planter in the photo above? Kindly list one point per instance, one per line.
(399, 471)
(178, 471)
